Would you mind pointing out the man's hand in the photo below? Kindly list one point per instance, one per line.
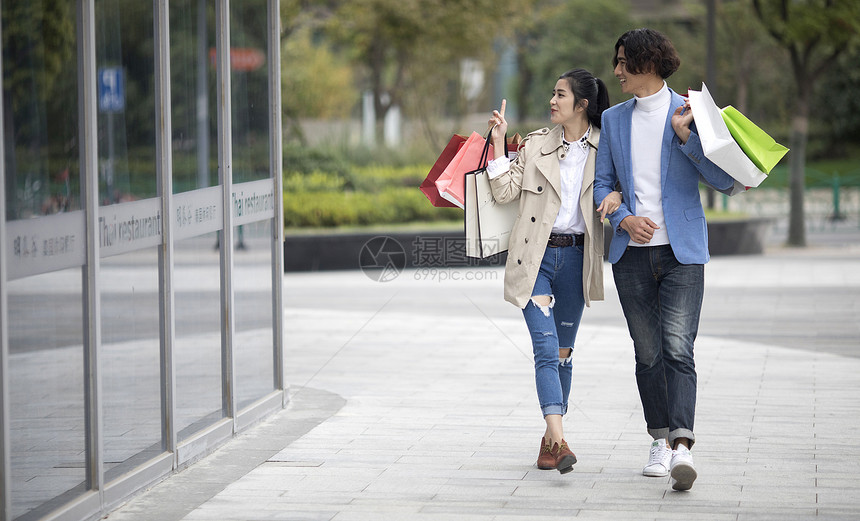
(641, 229)
(681, 120)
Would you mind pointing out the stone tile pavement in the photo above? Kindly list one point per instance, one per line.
(414, 399)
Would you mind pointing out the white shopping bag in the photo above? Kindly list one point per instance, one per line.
(718, 144)
(488, 223)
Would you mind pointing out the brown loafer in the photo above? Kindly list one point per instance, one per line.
(564, 458)
(545, 461)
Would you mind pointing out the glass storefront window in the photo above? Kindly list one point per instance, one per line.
(92, 416)
(254, 343)
(193, 100)
(44, 227)
(46, 389)
(130, 360)
(197, 343)
(126, 101)
(250, 91)
(40, 118)
(197, 275)
(130, 219)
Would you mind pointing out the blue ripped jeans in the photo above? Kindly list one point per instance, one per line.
(554, 327)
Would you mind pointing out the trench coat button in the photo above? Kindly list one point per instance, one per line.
(540, 189)
(527, 240)
(519, 261)
(533, 219)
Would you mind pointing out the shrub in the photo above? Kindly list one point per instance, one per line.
(321, 189)
(392, 205)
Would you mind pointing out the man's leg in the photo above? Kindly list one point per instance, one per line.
(638, 290)
(681, 293)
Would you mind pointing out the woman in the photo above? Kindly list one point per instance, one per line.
(555, 258)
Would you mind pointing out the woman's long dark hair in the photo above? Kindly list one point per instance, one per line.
(586, 87)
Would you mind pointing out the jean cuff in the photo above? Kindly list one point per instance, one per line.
(659, 434)
(682, 433)
(554, 408)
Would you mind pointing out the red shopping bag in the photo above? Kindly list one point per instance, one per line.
(451, 182)
(428, 186)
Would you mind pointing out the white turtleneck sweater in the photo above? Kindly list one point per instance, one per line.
(646, 140)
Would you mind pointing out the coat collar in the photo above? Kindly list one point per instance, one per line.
(555, 137)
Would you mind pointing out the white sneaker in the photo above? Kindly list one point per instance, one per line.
(658, 460)
(683, 471)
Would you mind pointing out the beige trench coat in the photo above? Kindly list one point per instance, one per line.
(535, 178)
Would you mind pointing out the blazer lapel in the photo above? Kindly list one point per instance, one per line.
(625, 127)
(668, 137)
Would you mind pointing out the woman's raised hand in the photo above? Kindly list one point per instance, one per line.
(501, 124)
(500, 127)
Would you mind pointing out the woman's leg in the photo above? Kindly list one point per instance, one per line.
(567, 313)
(553, 316)
(538, 315)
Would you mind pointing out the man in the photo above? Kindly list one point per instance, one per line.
(660, 242)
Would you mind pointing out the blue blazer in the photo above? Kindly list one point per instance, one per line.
(682, 167)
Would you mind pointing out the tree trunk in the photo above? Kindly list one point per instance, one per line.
(797, 169)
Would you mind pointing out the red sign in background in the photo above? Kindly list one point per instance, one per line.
(243, 59)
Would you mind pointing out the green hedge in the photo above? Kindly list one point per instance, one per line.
(393, 205)
(358, 197)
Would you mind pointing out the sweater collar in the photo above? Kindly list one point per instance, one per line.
(655, 101)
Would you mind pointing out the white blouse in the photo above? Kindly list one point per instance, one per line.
(572, 168)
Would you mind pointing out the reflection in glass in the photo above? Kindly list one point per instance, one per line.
(46, 387)
(197, 344)
(253, 344)
(197, 275)
(130, 360)
(130, 314)
(248, 31)
(252, 277)
(193, 100)
(125, 74)
(40, 117)
(42, 177)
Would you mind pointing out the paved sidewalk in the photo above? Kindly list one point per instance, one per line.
(414, 399)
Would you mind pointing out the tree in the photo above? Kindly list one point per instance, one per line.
(840, 108)
(814, 33)
(400, 42)
(314, 81)
(567, 35)
(38, 52)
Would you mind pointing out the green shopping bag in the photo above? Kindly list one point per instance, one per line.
(762, 150)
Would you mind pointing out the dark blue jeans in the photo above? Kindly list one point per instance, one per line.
(662, 301)
(554, 327)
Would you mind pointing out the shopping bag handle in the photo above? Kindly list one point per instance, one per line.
(485, 154)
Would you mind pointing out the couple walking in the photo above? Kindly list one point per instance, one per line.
(639, 164)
